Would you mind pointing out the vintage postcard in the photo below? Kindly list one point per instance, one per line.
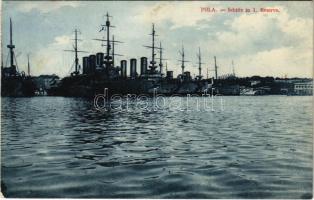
(157, 99)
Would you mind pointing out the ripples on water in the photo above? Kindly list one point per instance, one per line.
(257, 147)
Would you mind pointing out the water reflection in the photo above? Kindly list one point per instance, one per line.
(63, 147)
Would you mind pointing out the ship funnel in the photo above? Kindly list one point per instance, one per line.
(123, 68)
(92, 63)
(133, 68)
(170, 74)
(86, 65)
(99, 60)
(143, 65)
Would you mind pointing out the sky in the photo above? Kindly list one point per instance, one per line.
(265, 44)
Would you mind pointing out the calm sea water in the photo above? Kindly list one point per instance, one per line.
(256, 147)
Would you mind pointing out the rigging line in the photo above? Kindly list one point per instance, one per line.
(7, 60)
(71, 67)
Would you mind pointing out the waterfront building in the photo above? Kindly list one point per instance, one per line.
(303, 88)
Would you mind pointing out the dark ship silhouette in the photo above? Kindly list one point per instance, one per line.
(99, 72)
(13, 82)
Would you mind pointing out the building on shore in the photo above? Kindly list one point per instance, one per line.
(44, 82)
(303, 88)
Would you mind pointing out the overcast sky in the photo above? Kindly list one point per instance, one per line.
(274, 44)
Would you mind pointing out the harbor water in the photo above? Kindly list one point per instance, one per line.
(249, 147)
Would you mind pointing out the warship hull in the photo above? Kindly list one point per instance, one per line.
(89, 86)
(17, 86)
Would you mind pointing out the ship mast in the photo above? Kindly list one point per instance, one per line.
(109, 59)
(216, 67)
(76, 51)
(2, 60)
(160, 60)
(153, 62)
(182, 64)
(28, 66)
(153, 67)
(112, 50)
(11, 47)
(182, 59)
(233, 72)
(153, 47)
(108, 41)
(199, 63)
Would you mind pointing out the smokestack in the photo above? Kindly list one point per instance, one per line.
(133, 68)
(99, 60)
(170, 74)
(123, 68)
(92, 63)
(143, 65)
(86, 65)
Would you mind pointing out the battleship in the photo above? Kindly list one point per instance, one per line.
(99, 72)
(13, 82)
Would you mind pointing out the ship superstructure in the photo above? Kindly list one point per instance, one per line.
(99, 71)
